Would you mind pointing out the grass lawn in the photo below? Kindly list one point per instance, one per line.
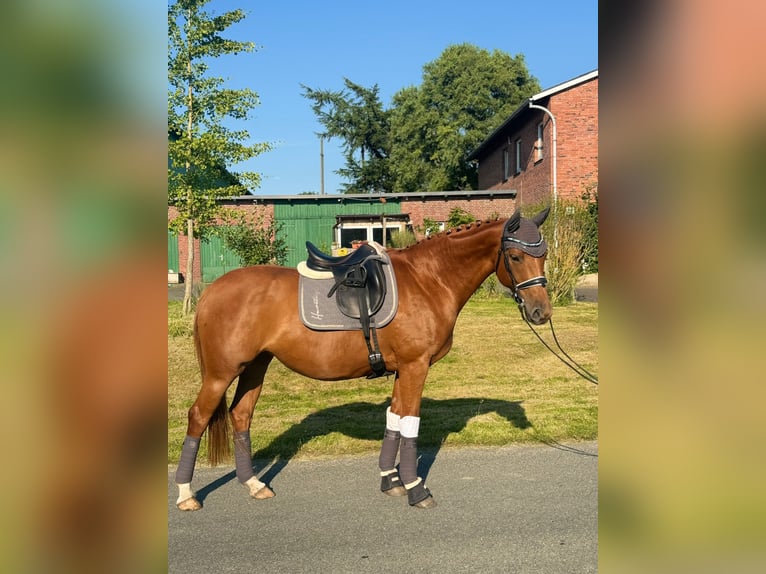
(497, 386)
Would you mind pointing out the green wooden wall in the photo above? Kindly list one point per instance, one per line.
(313, 220)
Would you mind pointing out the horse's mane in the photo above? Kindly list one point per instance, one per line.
(452, 231)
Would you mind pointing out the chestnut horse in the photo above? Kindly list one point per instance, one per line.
(250, 315)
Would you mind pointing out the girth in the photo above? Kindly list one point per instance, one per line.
(359, 289)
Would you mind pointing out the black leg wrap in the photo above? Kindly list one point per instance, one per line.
(417, 494)
(242, 458)
(387, 459)
(408, 459)
(188, 458)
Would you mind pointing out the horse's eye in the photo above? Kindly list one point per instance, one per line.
(515, 258)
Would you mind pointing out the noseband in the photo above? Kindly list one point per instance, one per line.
(527, 238)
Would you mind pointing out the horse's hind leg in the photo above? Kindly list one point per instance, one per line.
(242, 407)
(210, 399)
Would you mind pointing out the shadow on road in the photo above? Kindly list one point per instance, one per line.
(366, 421)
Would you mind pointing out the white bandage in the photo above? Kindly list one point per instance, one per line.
(392, 420)
(413, 484)
(409, 426)
(185, 492)
(254, 485)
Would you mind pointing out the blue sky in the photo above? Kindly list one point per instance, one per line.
(383, 43)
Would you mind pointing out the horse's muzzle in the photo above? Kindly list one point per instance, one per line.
(537, 314)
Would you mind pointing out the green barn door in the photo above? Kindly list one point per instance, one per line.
(217, 259)
(302, 223)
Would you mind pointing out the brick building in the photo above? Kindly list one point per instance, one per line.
(520, 154)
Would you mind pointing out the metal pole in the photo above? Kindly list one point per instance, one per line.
(555, 188)
(321, 165)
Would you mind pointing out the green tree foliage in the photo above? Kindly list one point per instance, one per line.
(355, 115)
(421, 142)
(201, 146)
(257, 241)
(466, 93)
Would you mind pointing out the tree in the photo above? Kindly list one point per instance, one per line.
(466, 93)
(421, 142)
(257, 241)
(356, 116)
(201, 146)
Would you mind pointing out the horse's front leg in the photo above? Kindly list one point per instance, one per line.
(404, 413)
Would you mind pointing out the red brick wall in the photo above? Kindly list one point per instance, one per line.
(439, 209)
(532, 184)
(576, 113)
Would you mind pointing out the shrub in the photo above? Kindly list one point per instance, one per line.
(564, 230)
(491, 289)
(400, 239)
(459, 216)
(590, 230)
(257, 241)
(429, 226)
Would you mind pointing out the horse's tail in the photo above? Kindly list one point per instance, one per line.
(218, 448)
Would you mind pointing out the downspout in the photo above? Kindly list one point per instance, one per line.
(555, 171)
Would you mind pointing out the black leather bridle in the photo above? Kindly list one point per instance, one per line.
(508, 242)
(536, 248)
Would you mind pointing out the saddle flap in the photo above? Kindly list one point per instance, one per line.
(363, 285)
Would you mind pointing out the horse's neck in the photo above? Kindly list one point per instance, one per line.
(462, 260)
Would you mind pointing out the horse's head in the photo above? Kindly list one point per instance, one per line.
(523, 252)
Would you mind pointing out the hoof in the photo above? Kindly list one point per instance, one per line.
(429, 502)
(420, 497)
(396, 491)
(189, 504)
(263, 493)
(391, 485)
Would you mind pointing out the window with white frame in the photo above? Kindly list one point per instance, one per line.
(518, 156)
(539, 142)
(352, 229)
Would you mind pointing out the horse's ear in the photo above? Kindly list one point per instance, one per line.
(540, 218)
(513, 222)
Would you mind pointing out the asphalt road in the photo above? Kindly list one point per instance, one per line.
(520, 509)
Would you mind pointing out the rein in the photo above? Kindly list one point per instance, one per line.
(572, 364)
(542, 281)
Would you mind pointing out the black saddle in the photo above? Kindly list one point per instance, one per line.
(358, 278)
(359, 289)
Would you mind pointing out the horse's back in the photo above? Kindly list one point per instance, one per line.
(247, 282)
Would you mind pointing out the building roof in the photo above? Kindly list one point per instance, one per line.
(343, 197)
(524, 106)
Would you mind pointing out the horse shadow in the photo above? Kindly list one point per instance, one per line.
(366, 421)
